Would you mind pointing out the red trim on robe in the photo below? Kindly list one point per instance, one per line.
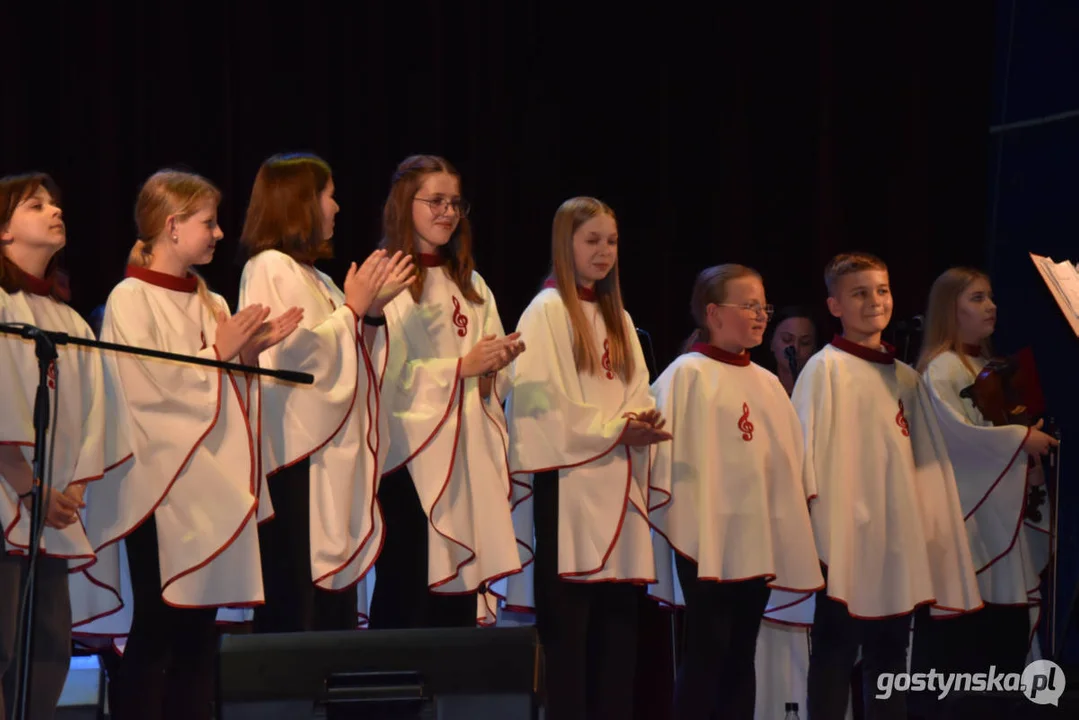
(884, 356)
(188, 284)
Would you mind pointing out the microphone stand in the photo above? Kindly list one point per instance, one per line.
(45, 343)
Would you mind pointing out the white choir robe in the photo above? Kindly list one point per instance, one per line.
(180, 446)
(991, 474)
(885, 511)
(561, 419)
(336, 423)
(76, 417)
(726, 491)
(453, 441)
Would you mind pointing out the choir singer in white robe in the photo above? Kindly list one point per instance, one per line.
(727, 502)
(885, 511)
(991, 471)
(32, 232)
(581, 419)
(323, 445)
(441, 354)
(183, 495)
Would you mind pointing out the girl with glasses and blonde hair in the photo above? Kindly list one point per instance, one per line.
(728, 505)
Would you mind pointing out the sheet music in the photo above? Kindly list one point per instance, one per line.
(1063, 281)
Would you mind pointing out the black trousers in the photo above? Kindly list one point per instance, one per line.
(52, 631)
(588, 630)
(293, 602)
(168, 667)
(718, 669)
(995, 636)
(402, 597)
(834, 643)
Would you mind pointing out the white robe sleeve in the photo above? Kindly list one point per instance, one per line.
(304, 418)
(954, 582)
(990, 466)
(553, 426)
(76, 423)
(420, 392)
(334, 422)
(187, 438)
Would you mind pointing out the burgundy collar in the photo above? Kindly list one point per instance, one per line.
(187, 284)
(884, 357)
(33, 284)
(740, 359)
(583, 293)
(432, 259)
(972, 350)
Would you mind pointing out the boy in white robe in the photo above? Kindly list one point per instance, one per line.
(581, 418)
(885, 511)
(31, 233)
(441, 355)
(727, 496)
(993, 478)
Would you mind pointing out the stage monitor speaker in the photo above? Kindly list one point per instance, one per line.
(443, 674)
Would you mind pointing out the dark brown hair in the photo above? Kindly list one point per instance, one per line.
(284, 212)
(399, 231)
(14, 189)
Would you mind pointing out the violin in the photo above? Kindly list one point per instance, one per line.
(1007, 392)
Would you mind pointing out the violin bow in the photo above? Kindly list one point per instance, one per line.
(1054, 511)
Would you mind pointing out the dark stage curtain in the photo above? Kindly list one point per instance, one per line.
(769, 134)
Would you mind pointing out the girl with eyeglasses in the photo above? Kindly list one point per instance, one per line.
(728, 503)
(441, 360)
(581, 422)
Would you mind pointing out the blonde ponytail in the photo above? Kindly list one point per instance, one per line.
(140, 254)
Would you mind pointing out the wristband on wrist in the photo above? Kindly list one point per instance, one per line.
(374, 321)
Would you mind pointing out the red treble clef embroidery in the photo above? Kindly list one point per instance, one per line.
(744, 424)
(901, 421)
(202, 335)
(52, 375)
(458, 318)
(607, 359)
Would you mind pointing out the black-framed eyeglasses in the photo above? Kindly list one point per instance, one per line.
(756, 308)
(441, 204)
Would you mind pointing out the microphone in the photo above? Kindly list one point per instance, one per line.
(792, 360)
(913, 325)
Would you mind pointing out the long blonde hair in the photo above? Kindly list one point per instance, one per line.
(170, 193)
(941, 322)
(571, 215)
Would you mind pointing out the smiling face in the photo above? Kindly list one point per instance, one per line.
(36, 225)
(732, 325)
(595, 249)
(195, 237)
(975, 312)
(435, 211)
(863, 302)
